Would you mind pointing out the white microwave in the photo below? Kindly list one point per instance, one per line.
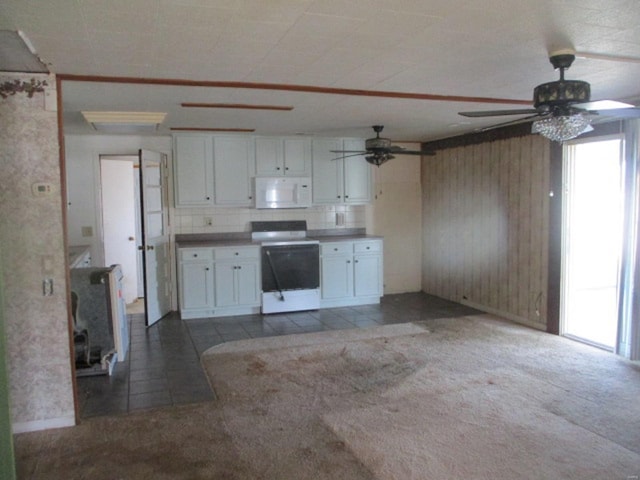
(283, 192)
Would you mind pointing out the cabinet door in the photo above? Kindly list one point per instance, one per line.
(327, 172)
(269, 156)
(367, 275)
(336, 277)
(357, 175)
(196, 287)
(233, 159)
(248, 283)
(193, 169)
(296, 155)
(225, 284)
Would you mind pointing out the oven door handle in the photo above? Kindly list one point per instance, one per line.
(275, 275)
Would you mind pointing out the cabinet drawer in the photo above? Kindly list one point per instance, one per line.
(336, 248)
(234, 253)
(373, 246)
(196, 254)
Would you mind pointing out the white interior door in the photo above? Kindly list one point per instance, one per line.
(118, 221)
(592, 236)
(155, 236)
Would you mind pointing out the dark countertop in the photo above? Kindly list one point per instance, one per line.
(243, 239)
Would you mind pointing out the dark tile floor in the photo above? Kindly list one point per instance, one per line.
(163, 366)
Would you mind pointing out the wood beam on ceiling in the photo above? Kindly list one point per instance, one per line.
(290, 88)
(237, 106)
(198, 129)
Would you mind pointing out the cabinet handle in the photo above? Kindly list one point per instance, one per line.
(277, 168)
(206, 269)
(368, 248)
(338, 196)
(237, 253)
(348, 261)
(286, 168)
(346, 196)
(195, 254)
(355, 261)
(335, 249)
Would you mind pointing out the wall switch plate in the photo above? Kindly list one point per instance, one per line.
(47, 287)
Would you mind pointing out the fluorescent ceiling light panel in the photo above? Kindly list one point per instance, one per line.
(125, 122)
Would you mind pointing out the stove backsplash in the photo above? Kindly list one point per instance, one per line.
(221, 220)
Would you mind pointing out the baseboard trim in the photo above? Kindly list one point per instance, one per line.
(508, 316)
(36, 425)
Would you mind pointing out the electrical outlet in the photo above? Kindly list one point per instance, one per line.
(207, 221)
(87, 231)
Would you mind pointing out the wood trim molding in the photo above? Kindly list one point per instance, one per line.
(289, 88)
(240, 106)
(194, 129)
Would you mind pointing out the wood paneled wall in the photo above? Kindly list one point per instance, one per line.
(485, 226)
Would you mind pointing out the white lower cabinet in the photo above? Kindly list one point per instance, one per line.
(237, 277)
(219, 281)
(351, 273)
(196, 281)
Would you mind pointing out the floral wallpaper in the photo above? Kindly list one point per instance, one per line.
(32, 250)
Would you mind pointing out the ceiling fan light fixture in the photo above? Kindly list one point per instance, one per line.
(378, 159)
(562, 127)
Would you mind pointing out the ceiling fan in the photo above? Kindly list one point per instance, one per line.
(378, 149)
(562, 109)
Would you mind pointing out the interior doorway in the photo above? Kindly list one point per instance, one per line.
(121, 229)
(592, 240)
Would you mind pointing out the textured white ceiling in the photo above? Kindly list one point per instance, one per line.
(479, 48)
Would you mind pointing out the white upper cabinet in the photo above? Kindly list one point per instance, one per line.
(277, 156)
(193, 168)
(219, 169)
(357, 174)
(339, 180)
(233, 158)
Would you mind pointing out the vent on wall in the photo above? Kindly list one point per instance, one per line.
(125, 122)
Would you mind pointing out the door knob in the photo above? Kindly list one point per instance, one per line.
(131, 239)
(149, 247)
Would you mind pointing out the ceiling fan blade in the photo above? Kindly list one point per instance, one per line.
(633, 112)
(513, 122)
(498, 113)
(402, 151)
(603, 105)
(349, 151)
(350, 155)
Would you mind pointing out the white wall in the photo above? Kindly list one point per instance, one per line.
(397, 215)
(82, 154)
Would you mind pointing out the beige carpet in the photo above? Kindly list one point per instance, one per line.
(470, 397)
(456, 398)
